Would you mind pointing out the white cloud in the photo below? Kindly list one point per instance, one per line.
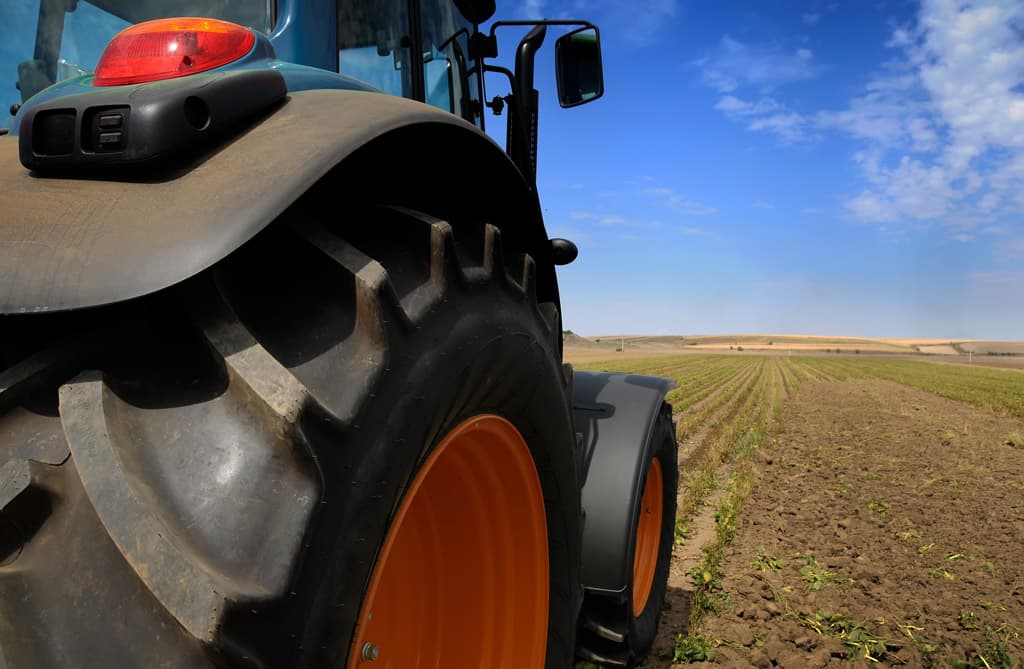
(766, 114)
(1010, 251)
(941, 124)
(961, 105)
(867, 206)
(636, 23)
(678, 203)
(760, 204)
(733, 65)
(533, 9)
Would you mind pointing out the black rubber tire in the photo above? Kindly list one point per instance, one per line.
(205, 476)
(609, 632)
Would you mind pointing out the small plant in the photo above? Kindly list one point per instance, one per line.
(993, 606)
(765, 562)
(994, 650)
(909, 536)
(879, 508)
(815, 577)
(693, 648)
(739, 348)
(1014, 440)
(968, 620)
(941, 573)
(770, 342)
(682, 531)
(860, 641)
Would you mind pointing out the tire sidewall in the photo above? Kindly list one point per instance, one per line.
(484, 350)
(643, 628)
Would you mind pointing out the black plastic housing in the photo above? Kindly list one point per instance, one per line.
(143, 124)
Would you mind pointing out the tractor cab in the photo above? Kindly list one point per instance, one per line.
(432, 51)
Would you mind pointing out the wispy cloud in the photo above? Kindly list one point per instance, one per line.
(677, 203)
(734, 64)
(761, 204)
(1010, 251)
(605, 220)
(636, 24)
(941, 125)
(769, 115)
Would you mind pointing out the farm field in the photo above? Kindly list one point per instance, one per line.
(843, 511)
(587, 350)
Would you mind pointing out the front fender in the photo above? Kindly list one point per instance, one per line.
(70, 243)
(616, 414)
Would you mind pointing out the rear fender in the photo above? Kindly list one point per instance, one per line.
(616, 414)
(71, 243)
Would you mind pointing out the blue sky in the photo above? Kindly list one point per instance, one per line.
(848, 168)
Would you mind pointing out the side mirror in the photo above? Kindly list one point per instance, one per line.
(578, 67)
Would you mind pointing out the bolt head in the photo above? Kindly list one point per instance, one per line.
(370, 652)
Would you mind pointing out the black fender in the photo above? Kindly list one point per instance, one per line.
(70, 243)
(615, 413)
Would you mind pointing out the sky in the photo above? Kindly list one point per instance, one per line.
(849, 168)
(800, 166)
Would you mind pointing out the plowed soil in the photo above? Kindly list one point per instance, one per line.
(887, 522)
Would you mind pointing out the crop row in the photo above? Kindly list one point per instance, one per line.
(999, 389)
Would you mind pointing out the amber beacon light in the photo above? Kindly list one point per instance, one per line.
(170, 48)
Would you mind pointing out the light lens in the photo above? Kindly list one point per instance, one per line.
(169, 48)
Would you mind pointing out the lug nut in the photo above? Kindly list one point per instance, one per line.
(370, 652)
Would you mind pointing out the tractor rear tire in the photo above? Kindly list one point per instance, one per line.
(211, 476)
(619, 631)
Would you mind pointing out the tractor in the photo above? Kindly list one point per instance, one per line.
(281, 374)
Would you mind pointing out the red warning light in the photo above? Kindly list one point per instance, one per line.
(169, 48)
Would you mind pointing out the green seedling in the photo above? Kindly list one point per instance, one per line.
(968, 620)
(879, 508)
(693, 648)
(682, 531)
(860, 641)
(765, 562)
(941, 573)
(815, 577)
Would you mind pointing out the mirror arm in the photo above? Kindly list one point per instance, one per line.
(521, 137)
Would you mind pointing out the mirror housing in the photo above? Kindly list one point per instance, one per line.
(578, 70)
(476, 11)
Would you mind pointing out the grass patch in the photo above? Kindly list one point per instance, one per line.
(693, 648)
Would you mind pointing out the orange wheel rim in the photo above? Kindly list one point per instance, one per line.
(462, 577)
(648, 538)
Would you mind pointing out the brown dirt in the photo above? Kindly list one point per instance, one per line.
(913, 502)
